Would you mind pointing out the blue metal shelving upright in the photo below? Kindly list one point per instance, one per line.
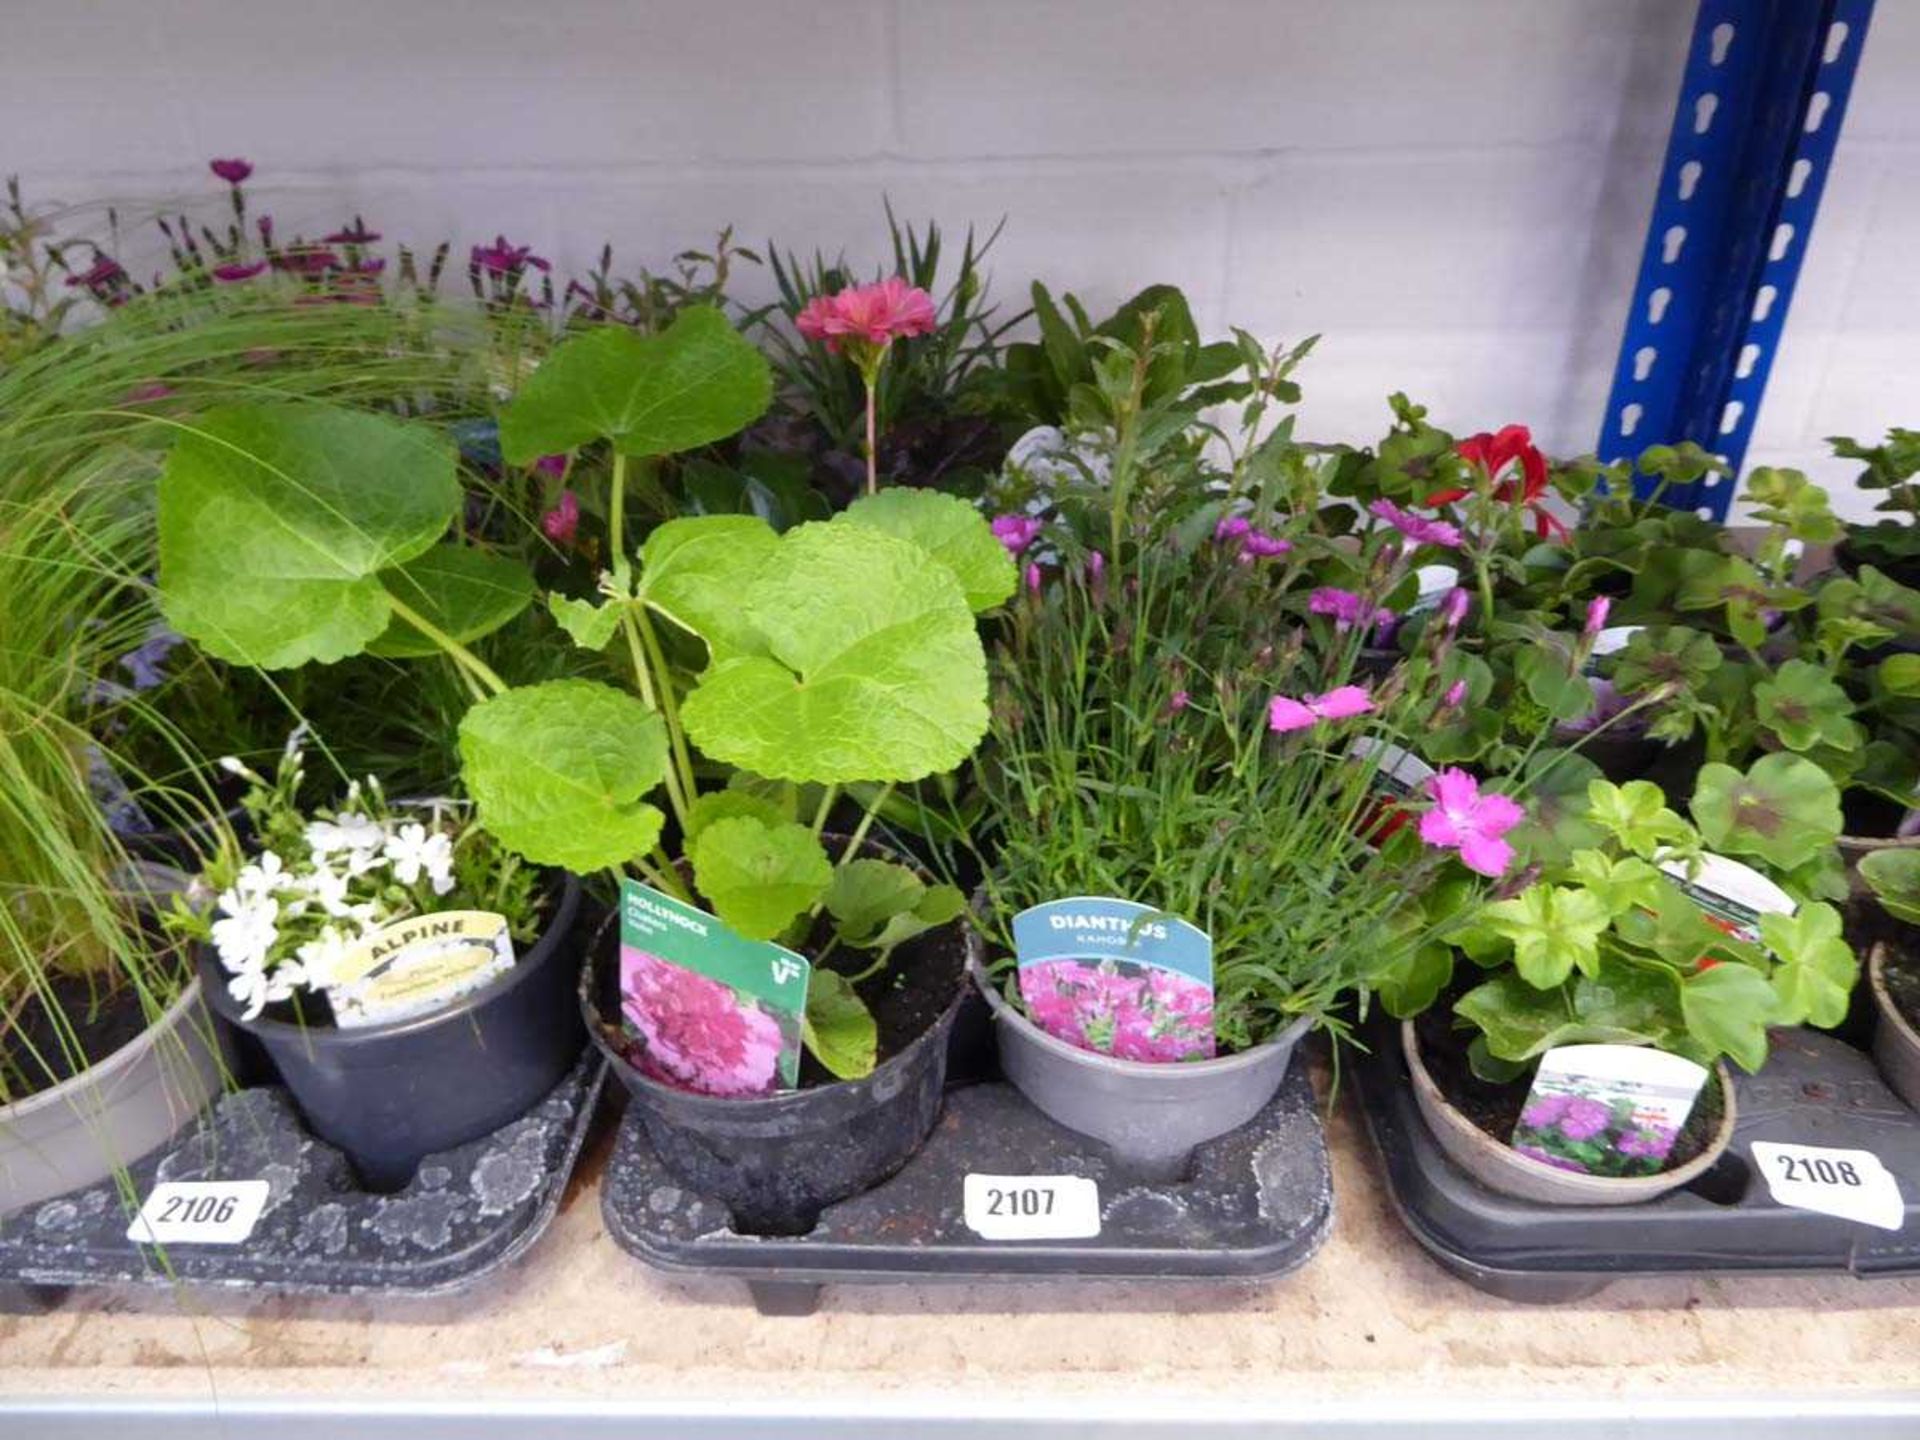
(1754, 130)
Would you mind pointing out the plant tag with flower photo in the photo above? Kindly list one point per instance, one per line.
(1117, 978)
(1852, 1184)
(416, 966)
(704, 1008)
(1610, 1110)
(1732, 896)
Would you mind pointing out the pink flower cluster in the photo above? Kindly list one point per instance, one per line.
(696, 1033)
(1129, 1012)
(1347, 608)
(873, 315)
(1251, 544)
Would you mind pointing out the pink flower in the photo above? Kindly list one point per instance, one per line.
(232, 171)
(1453, 609)
(873, 315)
(234, 272)
(1252, 544)
(1346, 608)
(500, 258)
(1596, 615)
(1181, 699)
(1456, 693)
(1347, 701)
(1016, 532)
(1465, 820)
(1232, 527)
(1096, 568)
(554, 466)
(697, 1033)
(1417, 530)
(1033, 579)
(563, 521)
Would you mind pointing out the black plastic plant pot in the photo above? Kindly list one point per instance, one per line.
(776, 1161)
(388, 1095)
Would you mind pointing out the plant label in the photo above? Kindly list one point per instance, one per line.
(1852, 1184)
(1117, 977)
(1609, 1110)
(413, 967)
(1432, 582)
(1399, 774)
(1732, 896)
(1031, 1207)
(1610, 641)
(200, 1212)
(703, 1007)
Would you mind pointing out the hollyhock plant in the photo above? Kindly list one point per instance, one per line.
(1474, 824)
(862, 322)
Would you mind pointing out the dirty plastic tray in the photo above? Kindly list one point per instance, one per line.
(1256, 1204)
(466, 1212)
(1815, 1090)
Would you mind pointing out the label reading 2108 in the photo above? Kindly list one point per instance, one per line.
(1032, 1207)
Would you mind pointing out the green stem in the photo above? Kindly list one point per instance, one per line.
(643, 674)
(469, 662)
(663, 878)
(866, 823)
(827, 797)
(669, 705)
(616, 512)
(873, 470)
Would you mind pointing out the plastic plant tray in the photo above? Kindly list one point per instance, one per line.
(1815, 1090)
(466, 1212)
(1256, 1204)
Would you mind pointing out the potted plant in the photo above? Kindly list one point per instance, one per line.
(1643, 936)
(410, 980)
(1893, 969)
(1891, 545)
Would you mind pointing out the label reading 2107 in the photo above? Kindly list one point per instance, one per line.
(1032, 1207)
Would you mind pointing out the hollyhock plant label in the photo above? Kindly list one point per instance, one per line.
(1609, 1110)
(1117, 977)
(706, 1009)
(1732, 896)
(415, 966)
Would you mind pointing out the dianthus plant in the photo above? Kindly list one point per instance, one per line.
(289, 909)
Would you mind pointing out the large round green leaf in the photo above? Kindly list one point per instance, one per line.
(1785, 809)
(558, 770)
(873, 668)
(695, 382)
(760, 877)
(461, 591)
(951, 531)
(695, 571)
(275, 520)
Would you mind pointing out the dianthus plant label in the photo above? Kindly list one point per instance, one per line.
(1611, 1110)
(1031, 1207)
(704, 1008)
(200, 1212)
(415, 966)
(1852, 1184)
(1117, 977)
(1732, 896)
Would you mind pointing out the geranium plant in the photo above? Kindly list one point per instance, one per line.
(835, 655)
(1893, 544)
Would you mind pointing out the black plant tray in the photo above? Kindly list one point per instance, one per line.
(466, 1212)
(1815, 1090)
(1257, 1205)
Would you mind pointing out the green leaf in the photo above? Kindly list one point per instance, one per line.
(466, 593)
(557, 772)
(950, 530)
(1553, 681)
(1900, 675)
(691, 384)
(1665, 655)
(759, 877)
(838, 1028)
(1623, 1006)
(731, 805)
(1785, 809)
(867, 893)
(275, 521)
(1553, 929)
(1727, 1010)
(1620, 885)
(1414, 980)
(1635, 815)
(590, 624)
(696, 572)
(874, 670)
(1894, 878)
(1554, 784)
(1803, 706)
(1816, 969)
(941, 905)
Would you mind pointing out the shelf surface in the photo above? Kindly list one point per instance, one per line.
(1371, 1338)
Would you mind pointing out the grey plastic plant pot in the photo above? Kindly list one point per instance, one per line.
(777, 1161)
(87, 1128)
(1500, 1167)
(387, 1095)
(1150, 1116)
(1896, 1044)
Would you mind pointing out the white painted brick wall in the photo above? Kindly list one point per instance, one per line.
(1453, 192)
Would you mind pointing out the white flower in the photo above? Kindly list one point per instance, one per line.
(249, 992)
(320, 958)
(350, 832)
(245, 934)
(413, 850)
(263, 877)
(328, 887)
(231, 764)
(296, 739)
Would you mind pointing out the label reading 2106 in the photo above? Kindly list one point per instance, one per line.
(1032, 1207)
(200, 1212)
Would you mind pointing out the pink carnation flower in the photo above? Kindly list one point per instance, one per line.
(1418, 531)
(1465, 820)
(699, 1034)
(1347, 701)
(870, 314)
(1016, 532)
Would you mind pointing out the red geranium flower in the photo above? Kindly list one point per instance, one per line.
(1495, 455)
